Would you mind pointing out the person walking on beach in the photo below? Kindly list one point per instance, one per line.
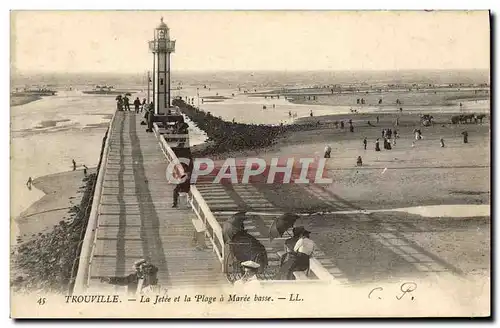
(137, 104)
(377, 145)
(328, 150)
(341, 124)
(311, 113)
(377, 119)
(466, 136)
(442, 142)
(29, 183)
(365, 142)
(359, 162)
(74, 165)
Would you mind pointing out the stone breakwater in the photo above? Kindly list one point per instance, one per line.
(46, 261)
(228, 136)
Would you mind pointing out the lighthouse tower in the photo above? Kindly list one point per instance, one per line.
(161, 47)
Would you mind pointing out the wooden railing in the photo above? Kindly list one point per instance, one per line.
(85, 261)
(174, 140)
(213, 229)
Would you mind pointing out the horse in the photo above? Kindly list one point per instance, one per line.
(479, 118)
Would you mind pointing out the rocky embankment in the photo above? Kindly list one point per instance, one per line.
(46, 262)
(228, 136)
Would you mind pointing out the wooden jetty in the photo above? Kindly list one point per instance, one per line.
(135, 219)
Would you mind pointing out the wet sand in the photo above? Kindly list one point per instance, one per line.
(48, 233)
(21, 100)
(430, 97)
(62, 192)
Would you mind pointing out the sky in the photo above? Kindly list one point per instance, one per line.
(116, 41)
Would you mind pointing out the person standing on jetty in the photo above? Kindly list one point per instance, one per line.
(150, 117)
(183, 186)
(137, 104)
(85, 168)
(365, 142)
(119, 102)
(377, 145)
(144, 275)
(126, 103)
(74, 165)
(299, 259)
(311, 113)
(466, 136)
(250, 276)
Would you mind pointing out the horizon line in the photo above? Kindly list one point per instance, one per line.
(18, 71)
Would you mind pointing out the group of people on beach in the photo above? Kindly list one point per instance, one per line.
(342, 125)
(29, 183)
(389, 137)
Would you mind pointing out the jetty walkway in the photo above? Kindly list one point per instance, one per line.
(135, 219)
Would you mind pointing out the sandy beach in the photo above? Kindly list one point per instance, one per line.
(61, 191)
(44, 237)
(382, 246)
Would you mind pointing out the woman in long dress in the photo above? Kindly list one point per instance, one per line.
(298, 259)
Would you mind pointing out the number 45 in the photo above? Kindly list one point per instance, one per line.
(41, 301)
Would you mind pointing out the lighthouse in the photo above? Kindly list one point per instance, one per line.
(161, 47)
